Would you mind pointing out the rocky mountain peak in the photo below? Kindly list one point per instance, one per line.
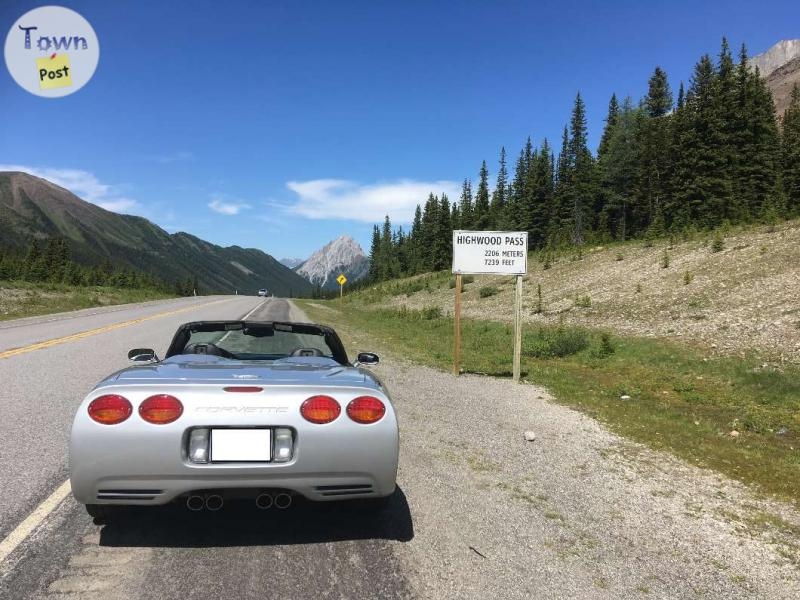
(342, 255)
(777, 56)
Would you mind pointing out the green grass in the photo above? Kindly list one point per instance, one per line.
(24, 299)
(681, 400)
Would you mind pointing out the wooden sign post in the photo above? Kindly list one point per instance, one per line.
(490, 253)
(517, 328)
(457, 328)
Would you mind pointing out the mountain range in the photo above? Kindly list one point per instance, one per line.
(31, 207)
(780, 66)
(342, 256)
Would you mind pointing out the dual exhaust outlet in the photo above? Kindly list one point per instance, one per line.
(214, 502)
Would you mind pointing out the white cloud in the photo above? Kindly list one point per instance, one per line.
(370, 203)
(84, 185)
(226, 207)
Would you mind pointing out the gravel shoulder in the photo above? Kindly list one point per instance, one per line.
(579, 512)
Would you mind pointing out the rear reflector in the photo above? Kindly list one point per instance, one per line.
(243, 388)
(110, 409)
(366, 409)
(161, 409)
(320, 409)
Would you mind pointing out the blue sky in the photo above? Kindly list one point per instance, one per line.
(282, 125)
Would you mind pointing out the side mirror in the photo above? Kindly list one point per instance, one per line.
(142, 355)
(367, 358)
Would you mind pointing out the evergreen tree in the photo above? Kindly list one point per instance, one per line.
(375, 254)
(756, 147)
(387, 270)
(658, 101)
(481, 219)
(790, 152)
(582, 184)
(611, 121)
(443, 239)
(653, 138)
(618, 169)
(560, 221)
(703, 189)
(541, 188)
(497, 209)
(467, 209)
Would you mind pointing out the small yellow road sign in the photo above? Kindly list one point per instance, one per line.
(341, 279)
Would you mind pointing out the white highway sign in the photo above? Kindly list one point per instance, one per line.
(490, 252)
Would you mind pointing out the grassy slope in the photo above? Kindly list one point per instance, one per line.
(731, 411)
(23, 299)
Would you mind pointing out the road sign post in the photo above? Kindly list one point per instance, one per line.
(490, 253)
(341, 279)
(457, 328)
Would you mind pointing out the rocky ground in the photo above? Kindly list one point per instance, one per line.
(743, 297)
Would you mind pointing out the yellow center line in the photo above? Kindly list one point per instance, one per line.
(91, 332)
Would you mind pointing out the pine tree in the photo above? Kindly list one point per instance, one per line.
(375, 254)
(560, 221)
(386, 265)
(658, 101)
(653, 154)
(756, 146)
(497, 209)
(443, 237)
(541, 196)
(702, 187)
(618, 171)
(482, 217)
(582, 186)
(790, 152)
(611, 121)
(467, 209)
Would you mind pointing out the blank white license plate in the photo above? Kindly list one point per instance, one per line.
(246, 445)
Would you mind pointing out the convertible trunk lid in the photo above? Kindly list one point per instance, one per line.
(211, 369)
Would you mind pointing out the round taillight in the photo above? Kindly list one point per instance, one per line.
(161, 409)
(320, 409)
(366, 409)
(110, 409)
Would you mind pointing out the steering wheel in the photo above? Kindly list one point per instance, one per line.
(306, 352)
(206, 348)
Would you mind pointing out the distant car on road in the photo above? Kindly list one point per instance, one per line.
(265, 411)
(263, 292)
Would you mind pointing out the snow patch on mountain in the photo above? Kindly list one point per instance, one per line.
(292, 263)
(342, 255)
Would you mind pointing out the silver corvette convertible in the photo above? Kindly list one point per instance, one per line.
(264, 411)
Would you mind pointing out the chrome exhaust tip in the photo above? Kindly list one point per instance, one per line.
(214, 502)
(264, 501)
(195, 503)
(283, 500)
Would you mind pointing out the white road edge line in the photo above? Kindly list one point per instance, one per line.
(260, 304)
(244, 318)
(33, 520)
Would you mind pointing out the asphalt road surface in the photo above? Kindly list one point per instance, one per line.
(480, 512)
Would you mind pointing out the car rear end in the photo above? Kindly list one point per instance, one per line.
(150, 444)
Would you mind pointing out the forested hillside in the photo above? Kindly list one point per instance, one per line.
(714, 155)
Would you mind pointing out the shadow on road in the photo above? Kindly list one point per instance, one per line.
(240, 523)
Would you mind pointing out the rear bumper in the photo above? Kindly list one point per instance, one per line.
(156, 491)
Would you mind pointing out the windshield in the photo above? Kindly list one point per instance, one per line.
(257, 341)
